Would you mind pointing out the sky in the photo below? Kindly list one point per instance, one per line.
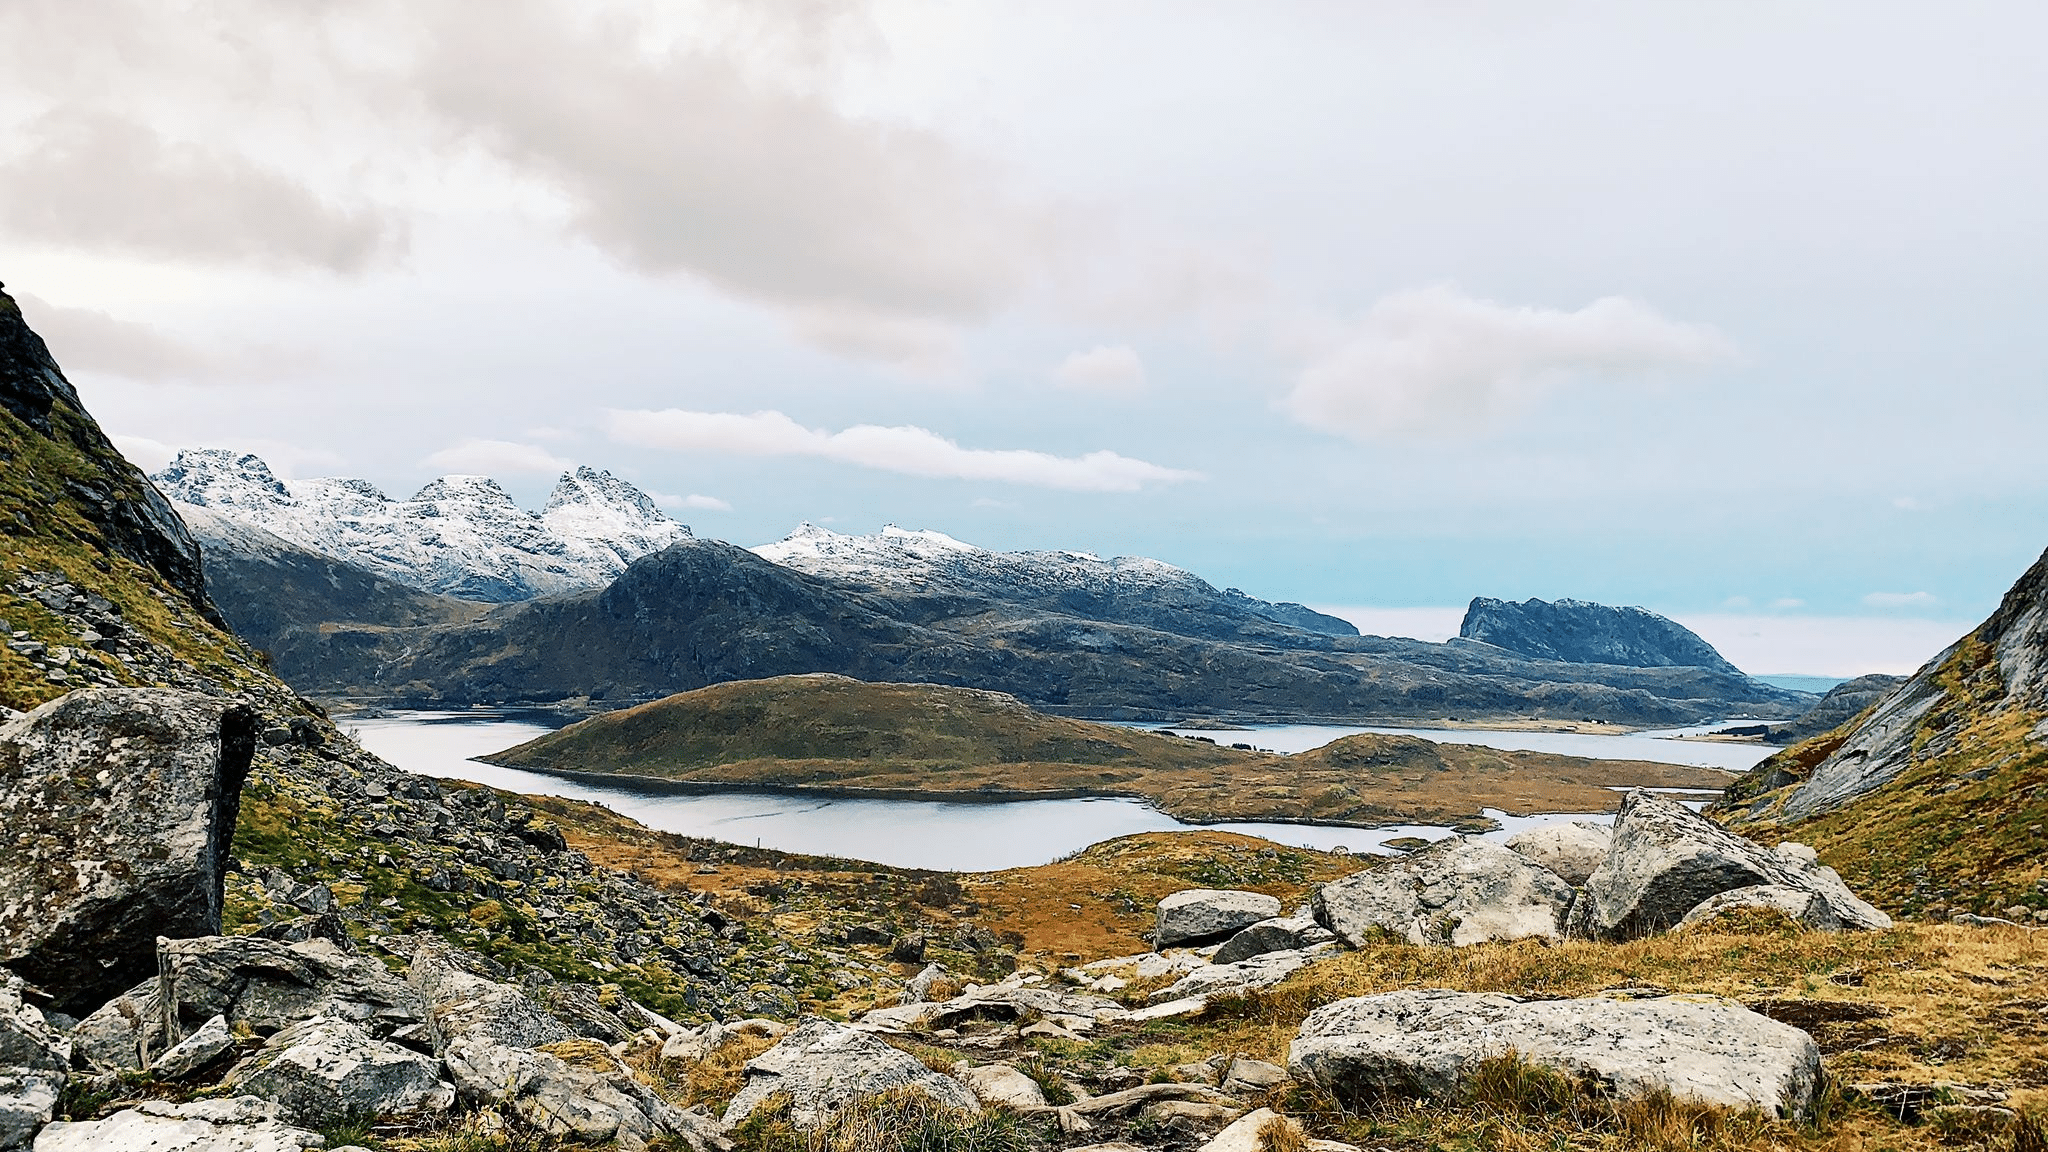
(1728, 310)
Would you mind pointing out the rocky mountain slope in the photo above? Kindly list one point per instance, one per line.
(930, 566)
(1582, 632)
(832, 734)
(1936, 795)
(458, 536)
(1839, 705)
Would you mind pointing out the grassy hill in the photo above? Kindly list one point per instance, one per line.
(937, 741)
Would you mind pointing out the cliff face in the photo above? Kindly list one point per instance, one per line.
(1585, 633)
(1843, 703)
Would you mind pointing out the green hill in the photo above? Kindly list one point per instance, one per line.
(929, 740)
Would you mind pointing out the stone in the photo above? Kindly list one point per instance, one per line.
(196, 1053)
(123, 1033)
(1667, 859)
(119, 806)
(321, 1072)
(918, 989)
(908, 948)
(269, 986)
(1248, 1132)
(1201, 915)
(1248, 1077)
(1280, 934)
(1008, 1002)
(461, 1003)
(1427, 1042)
(1808, 909)
(28, 1099)
(1241, 977)
(822, 1066)
(26, 1038)
(576, 1089)
(1002, 1086)
(1185, 1006)
(240, 1124)
(1572, 851)
(1458, 891)
(1183, 1115)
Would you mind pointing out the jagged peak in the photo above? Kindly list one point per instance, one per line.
(218, 477)
(481, 489)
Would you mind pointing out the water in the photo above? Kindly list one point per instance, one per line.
(963, 837)
(1664, 746)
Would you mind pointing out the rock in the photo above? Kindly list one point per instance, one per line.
(1667, 859)
(1008, 1002)
(1002, 1086)
(1185, 1006)
(1581, 632)
(462, 1004)
(1241, 977)
(322, 1072)
(270, 986)
(1809, 909)
(918, 989)
(1572, 851)
(577, 1089)
(1428, 1042)
(119, 805)
(1249, 1077)
(123, 1034)
(1248, 1133)
(908, 949)
(241, 1124)
(195, 1053)
(26, 1038)
(822, 1066)
(1458, 891)
(872, 932)
(1281, 934)
(1185, 1115)
(1200, 915)
(28, 1098)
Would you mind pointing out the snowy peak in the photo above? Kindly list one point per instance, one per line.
(458, 535)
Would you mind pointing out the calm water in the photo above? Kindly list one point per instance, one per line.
(905, 833)
(1668, 746)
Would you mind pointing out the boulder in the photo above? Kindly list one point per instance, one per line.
(1280, 934)
(1241, 977)
(1249, 1133)
(1248, 1077)
(1667, 859)
(322, 1072)
(1571, 850)
(269, 986)
(123, 1034)
(1458, 891)
(1012, 1001)
(1798, 905)
(461, 1003)
(240, 1124)
(1200, 915)
(28, 1098)
(1002, 1086)
(26, 1038)
(822, 1066)
(575, 1089)
(1428, 1042)
(195, 1053)
(119, 805)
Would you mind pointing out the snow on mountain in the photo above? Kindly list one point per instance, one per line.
(459, 535)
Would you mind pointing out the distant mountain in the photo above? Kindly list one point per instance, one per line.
(458, 536)
(1581, 632)
(1842, 703)
(933, 567)
(1936, 796)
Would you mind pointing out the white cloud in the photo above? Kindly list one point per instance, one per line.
(496, 458)
(1436, 359)
(1901, 599)
(1788, 603)
(86, 340)
(146, 454)
(909, 450)
(692, 502)
(1435, 625)
(1113, 370)
(1824, 645)
(1910, 504)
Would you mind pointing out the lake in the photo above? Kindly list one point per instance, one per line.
(963, 837)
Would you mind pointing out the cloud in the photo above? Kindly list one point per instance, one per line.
(908, 450)
(86, 340)
(1111, 370)
(1787, 603)
(96, 180)
(146, 454)
(1910, 504)
(692, 502)
(1901, 599)
(496, 458)
(1436, 359)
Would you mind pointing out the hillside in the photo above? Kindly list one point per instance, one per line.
(1935, 797)
(1581, 632)
(830, 732)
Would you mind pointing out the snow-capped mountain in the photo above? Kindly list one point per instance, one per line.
(459, 535)
(925, 563)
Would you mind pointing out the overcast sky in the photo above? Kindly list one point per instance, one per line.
(1731, 310)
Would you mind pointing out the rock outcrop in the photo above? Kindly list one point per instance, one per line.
(1280, 934)
(1667, 859)
(1430, 1043)
(1581, 632)
(575, 1089)
(1839, 705)
(34, 1059)
(1571, 850)
(1802, 907)
(822, 1067)
(240, 1124)
(1205, 915)
(323, 1072)
(1458, 891)
(264, 987)
(119, 806)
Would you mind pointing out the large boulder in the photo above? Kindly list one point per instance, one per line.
(323, 1072)
(1262, 971)
(1002, 1086)
(1015, 1000)
(33, 1060)
(241, 1124)
(1571, 850)
(577, 1089)
(822, 1066)
(1430, 1043)
(118, 806)
(269, 986)
(28, 1098)
(1667, 859)
(1200, 915)
(123, 1033)
(464, 1005)
(1807, 909)
(1458, 891)
(1280, 934)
